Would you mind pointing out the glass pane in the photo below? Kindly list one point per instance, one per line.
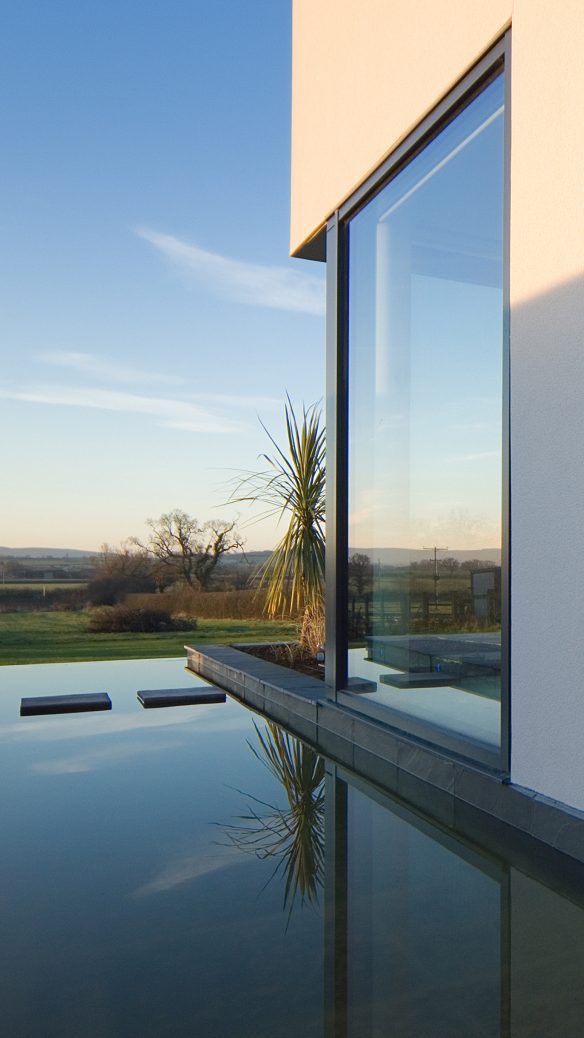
(425, 436)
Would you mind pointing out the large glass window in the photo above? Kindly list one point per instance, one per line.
(425, 329)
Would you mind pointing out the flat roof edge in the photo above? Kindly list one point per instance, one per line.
(313, 248)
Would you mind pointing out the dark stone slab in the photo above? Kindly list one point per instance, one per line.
(227, 658)
(156, 697)
(435, 802)
(376, 769)
(429, 679)
(81, 702)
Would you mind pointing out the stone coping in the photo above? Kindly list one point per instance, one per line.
(475, 802)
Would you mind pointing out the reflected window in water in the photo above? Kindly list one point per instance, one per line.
(424, 925)
(425, 436)
(434, 936)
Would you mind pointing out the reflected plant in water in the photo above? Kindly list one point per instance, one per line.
(293, 835)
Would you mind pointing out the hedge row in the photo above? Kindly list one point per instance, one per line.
(210, 605)
(28, 600)
(124, 618)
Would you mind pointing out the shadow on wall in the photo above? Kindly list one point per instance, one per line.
(547, 540)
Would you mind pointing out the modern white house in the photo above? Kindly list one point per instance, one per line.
(438, 170)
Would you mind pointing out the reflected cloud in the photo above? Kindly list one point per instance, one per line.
(277, 288)
(459, 529)
(95, 759)
(187, 869)
(57, 727)
(476, 456)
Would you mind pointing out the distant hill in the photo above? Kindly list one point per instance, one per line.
(385, 556)
(403, 556)
(243, 558)
(45, 553)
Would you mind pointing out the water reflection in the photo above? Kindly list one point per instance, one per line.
(122, 916)
(292, 836)
(428, 935)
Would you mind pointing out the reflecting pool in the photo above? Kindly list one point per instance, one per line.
(196, 870)
(126, 909)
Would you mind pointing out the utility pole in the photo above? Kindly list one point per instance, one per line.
(435, 550)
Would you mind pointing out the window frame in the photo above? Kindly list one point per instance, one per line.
(497, 60)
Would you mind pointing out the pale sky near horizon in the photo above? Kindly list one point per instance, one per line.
(149, 310)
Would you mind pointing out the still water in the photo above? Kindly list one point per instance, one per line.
(195, 871)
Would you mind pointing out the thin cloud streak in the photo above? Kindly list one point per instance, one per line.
(106, 368)
(173, 414)
(186, 870)
(476, 456)
(277, 288)
(233, 400)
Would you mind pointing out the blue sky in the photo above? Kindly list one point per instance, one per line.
(148, 308)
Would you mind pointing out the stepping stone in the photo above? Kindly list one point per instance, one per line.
(154, 697)
(80, 702)
(428, 679)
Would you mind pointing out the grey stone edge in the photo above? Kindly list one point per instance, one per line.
(466, 798)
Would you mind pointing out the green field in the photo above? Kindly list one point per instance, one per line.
(54, 637)
(38, 585)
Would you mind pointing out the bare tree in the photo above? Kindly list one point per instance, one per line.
(449, 564)
(360, 572)
(189, 550)
(119, 572)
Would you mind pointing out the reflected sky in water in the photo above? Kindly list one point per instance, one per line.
(125, 911)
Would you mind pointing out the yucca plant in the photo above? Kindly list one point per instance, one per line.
(293, 488)
(294, 836)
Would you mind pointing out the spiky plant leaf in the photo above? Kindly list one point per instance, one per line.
(293, 488)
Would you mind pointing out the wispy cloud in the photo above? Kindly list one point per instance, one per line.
(171, 413)
(92, 760)
(186, 869)
(476, 456)
(107, 368)
(200, 720)
(257, 403)
(278, 288)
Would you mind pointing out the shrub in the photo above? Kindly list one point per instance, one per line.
(121, 619)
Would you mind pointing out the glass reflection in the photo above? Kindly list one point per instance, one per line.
(425, 435)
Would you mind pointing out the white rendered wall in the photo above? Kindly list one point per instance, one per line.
(547, 397)
(364, 73)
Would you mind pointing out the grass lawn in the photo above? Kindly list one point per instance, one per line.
(54, 637)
